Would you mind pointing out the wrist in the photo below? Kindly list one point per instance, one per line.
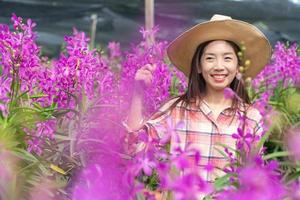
(138, 92)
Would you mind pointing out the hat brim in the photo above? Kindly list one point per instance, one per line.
(257, 47)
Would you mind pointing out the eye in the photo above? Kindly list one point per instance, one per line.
(228, 58)
(209, 58)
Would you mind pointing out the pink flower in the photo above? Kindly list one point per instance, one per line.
(114, 50)
(229, 93)
(255, 182)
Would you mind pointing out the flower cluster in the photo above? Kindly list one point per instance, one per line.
(282, 72)
(256, 181)
(19, 60)
(23, 75)
(165, 75)
(76, 71)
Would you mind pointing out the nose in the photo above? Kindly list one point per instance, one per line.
(220, 65)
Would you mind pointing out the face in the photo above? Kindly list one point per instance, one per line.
(219, 65)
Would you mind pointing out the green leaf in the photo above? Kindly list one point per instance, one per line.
(228, 147)
(23, 94)
(276, 155)
(57, 169)
(62, 137)
(62, 112)
(173, 89)
(293, 177)
(36, 96)
(222, 152)
(37, 105)
(263, 139)
(24, 155)
(222, 182)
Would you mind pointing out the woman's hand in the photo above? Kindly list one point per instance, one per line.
(144, 76)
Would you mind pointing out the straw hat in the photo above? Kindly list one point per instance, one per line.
(257, 49)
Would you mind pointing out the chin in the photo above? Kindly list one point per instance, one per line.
(220, 86)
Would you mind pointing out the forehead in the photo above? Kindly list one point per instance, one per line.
(219, 46)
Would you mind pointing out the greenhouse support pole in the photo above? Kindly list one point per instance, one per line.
(149, 18)
(94, 18)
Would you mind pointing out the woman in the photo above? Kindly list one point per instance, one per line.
(215, 55)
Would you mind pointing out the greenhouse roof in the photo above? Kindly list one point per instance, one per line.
(121, 20)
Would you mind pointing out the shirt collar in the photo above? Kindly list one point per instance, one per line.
(204, 107)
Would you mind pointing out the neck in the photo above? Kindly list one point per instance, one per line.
(213, 97)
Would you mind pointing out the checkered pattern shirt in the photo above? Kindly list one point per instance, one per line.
(196, 128)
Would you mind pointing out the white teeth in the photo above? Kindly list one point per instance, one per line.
(219, 76)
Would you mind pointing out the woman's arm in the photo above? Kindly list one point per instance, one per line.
(135, 115)
(142, 80)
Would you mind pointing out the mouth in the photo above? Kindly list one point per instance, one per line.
(219, 77)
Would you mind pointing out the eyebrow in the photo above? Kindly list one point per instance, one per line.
(227, 53)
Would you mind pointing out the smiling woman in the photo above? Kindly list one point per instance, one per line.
(219, 68)
(211, 55)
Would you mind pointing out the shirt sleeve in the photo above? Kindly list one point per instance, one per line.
(154, 128)
(255, 121)
(158, 124)
(255, 126)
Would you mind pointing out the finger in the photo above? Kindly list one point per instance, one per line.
(144, 78)
(145, 72)
(143, 69)
(149, 67)
(152, 67)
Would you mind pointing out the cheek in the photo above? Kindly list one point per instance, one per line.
(205, 67)
(233, 69)
(205, 72)
(231, 78)
(232, 74)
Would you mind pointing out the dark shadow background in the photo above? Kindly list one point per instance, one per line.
(120, 20)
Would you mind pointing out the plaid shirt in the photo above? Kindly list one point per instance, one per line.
(196, 128)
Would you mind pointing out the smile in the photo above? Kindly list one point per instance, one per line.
(219, 77)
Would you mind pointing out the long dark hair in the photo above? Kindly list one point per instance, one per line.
(197, 85)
